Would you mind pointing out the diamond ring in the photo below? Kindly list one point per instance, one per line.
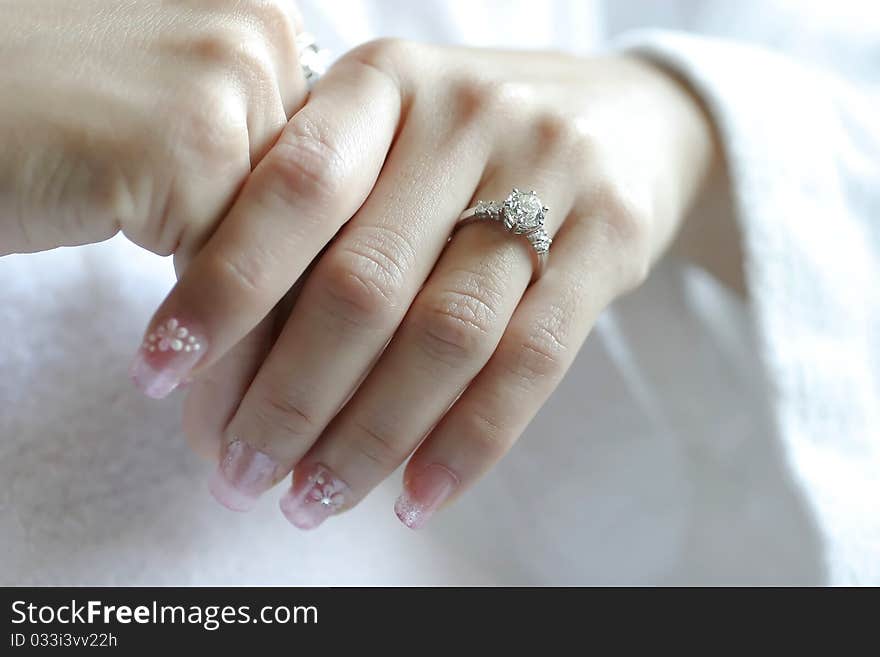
(521, 213)
(313, 59)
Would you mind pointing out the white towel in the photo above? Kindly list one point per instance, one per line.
(802, 139)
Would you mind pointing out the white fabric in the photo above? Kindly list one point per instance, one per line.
(663, 458)
(803, 146)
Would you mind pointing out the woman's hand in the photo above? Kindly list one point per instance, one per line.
(143, 117)
(402, 339)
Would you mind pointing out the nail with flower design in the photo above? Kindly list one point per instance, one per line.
(316, 494)
(168, 354)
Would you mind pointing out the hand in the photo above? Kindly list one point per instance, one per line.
(402, 339)
(143, 117)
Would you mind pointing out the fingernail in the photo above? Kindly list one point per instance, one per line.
(166, 357)
(423, 494)
(243, 474)
(314, 496)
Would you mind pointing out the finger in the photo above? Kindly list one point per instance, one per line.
(283, 92)
(286, 24)
(259, 62)
(355, 299)
(314, 178)
(538, 347)
(214, 395)
(448, 335)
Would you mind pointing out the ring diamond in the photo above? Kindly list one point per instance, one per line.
(521, 213)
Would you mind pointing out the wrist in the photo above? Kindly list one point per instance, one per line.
(704, 228)
(689, 146)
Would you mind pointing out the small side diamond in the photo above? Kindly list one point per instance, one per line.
(487, 209)
(541, 241)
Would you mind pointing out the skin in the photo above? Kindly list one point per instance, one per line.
(142, 117)
(343, 330)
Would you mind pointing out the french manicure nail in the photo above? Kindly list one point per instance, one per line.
(243, 474)
(315, 495)
(166, 357)
(423, 494)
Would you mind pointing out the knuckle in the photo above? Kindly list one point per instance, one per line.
(477, 99)
(213, 128)
(457, 324)
(115, 203)
(280, 412)
(625, 222)
(376, 446)
(276, 18)
(230, 48)
(92, 195)
(387, 60)
(355, 297)
(362, 282)
(559, 134)
(215, 46)
(256, 70)
(486, 435)
(242, 273)
(306, 160)
(95, 189)
(623, 213)
(539, 354)
(389, 55)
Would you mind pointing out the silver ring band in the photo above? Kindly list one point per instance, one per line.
(313, 59)
(520, 214)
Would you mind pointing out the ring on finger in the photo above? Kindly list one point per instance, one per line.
(522, 214)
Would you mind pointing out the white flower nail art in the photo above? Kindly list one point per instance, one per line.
(321, 495)
(171, 336)
(327, 492)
